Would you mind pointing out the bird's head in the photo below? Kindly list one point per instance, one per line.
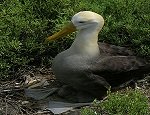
(80, 21)
(87, 19)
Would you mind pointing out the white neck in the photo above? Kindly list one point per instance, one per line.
(86, 42)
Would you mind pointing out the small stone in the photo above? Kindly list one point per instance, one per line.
(25, 102)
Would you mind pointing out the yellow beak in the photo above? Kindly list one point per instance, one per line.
(66, 30)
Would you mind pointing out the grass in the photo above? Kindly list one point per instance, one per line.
(131, 102)
(25, 23)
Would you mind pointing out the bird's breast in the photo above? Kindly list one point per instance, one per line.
(70, 67)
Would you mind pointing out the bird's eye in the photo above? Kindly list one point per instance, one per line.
(81, 22)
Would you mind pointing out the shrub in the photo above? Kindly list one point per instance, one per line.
(131, 102)
(24, 25)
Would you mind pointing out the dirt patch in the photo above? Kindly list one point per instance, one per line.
(12, 97)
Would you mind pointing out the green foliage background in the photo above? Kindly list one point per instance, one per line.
(25, 23)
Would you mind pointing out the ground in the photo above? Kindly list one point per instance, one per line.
(14, 102)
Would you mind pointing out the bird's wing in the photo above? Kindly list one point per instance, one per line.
(118, 63)
(120, 69)
(113, 50)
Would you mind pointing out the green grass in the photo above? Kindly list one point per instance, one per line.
(131, 102)
(25, 23)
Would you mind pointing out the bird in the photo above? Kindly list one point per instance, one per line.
(92, 67)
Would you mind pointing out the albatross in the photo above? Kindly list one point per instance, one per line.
(92, 67)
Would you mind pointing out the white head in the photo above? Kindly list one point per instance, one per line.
(87, 19)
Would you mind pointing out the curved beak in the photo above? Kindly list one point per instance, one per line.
(66, 30)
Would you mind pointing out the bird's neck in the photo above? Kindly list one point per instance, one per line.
(86, 42)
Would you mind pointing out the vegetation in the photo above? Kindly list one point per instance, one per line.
(131, 102)
(25, 23)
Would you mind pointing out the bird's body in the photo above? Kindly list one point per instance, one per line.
(96, 74)
(91, 67)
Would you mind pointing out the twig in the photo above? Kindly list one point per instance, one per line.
(6, 105)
